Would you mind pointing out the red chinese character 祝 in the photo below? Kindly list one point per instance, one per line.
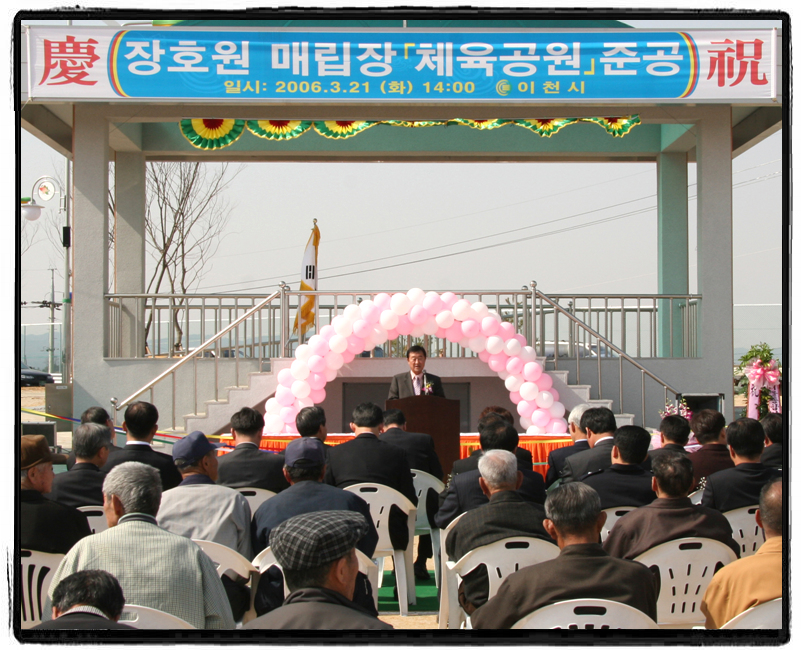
(727, 59)
(71, 58)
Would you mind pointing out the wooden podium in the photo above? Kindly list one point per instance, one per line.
(436, 416)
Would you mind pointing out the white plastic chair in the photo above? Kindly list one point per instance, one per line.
(255, 497)
(96, 517)
(380, 498)
(501, 559)
(266, 559)
(228, 559)
(37, 573)
(612, 515)
(423, 482)
(695, 497)
(765, 616)
(586, 614)
(147, 618)
(686, 567)
(745, 530)
(442, 615)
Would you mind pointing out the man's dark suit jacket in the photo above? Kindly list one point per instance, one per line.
(556, 459)
(366, 459)
(401, 385)
(170, 476)
(49, 526)
(249, 466)
(737, 487)
(589, 460)
(464, 493)
(506, 514)
(524, 461)
(419, 448)
(773, 456)
(81, 621)
(81, 486)
(621, 485)
(111, 452)
(709, 459)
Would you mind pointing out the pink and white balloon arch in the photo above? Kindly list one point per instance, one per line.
(416, 313)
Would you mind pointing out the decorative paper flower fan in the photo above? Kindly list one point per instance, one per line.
(481, 124)
(617, 126)
(546, 128)
(212, 133)
(340, 130)
(279, 129)
(415, 124)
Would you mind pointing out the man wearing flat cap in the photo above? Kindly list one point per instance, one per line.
(317, 552)
(45, 525)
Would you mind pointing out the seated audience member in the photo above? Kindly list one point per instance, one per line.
(367, 459)
(674, 431)
(752, 580)
(556, 459)
(310, 423)
(524, 459)
(87, 600)
(671, 516)
(582, 570)
(45, 526)
(155, 568)
(709, 428)
(740, 485)
(506, 514)
(247, 465)
(773, 453)
(317, 552)
(420, 453)
(600, 425)
(82, 485)
(140, 426)
(97, 415)
(304, 470)
(624, 482)
(464, 491)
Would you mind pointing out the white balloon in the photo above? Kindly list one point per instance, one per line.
(528, 354)
(529, 391)
(494, 344)
(544, 399)
(272, 406)
(513, 383)
(342, 326)
(299, 369)
(302, 352)
(417, 331)
(365, 307)
(416, 296)
(557, 410)
(481, 310)
(525, 423)
(388, 319)
(338, 343)
(400, 304)
(495, 315)
(303, 402)
(444, 319)
(513, 347)
(352, 312)
(330, 374)
(273, 423)
(478, 343)
(334, 360)
(430, 327)
(535, 430)
(379, 336)
(461, 309)
(301, 388)
(503, 374)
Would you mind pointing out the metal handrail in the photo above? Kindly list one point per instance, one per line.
(193, 355)
(621, 354)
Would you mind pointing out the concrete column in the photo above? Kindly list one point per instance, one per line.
(90, 250)
(672, 253)
(129, 248)
(716, 337)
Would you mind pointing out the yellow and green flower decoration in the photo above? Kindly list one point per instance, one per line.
(212, 133)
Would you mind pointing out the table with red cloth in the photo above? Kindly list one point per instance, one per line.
(539, 446)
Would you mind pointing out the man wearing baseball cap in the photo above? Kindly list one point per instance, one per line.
(317, 552)
(45, 525)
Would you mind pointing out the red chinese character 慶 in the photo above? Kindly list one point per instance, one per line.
(71, 58)
(727, 59)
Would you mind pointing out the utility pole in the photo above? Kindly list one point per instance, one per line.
(66, 328)
(51, 347)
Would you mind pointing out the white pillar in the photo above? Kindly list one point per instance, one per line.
(716, 336)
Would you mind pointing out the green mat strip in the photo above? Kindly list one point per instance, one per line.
(427, 599)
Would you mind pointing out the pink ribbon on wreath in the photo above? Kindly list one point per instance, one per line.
(762, 376)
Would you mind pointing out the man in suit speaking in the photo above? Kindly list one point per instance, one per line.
(418, 381)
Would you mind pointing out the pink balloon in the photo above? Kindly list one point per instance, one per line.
(515, 397)
(331, 373)
(525, 409)
(432, 302)
(495, 364)
(327, 332)
(362, 328)
(284, 396)
(540, 418)
(470, 328)
(382, 300)
(514, 366)
(288, 414)
(418, 315)
(521, 338)
(557, 410)
(316, 363)
(484, 356)
(318, 345)
(290, 428)
(318, 395)
(532, 371)
(392, 334)
(506, 331)
(557, 426)
(554, 393)
(440, 334)
(355, 345)
(489, 326)
(544, 382)
(404, 326)
(371, 312)
(317, 379)
(454, 332)
(348, 356)
(285, 377)
(448, 299)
